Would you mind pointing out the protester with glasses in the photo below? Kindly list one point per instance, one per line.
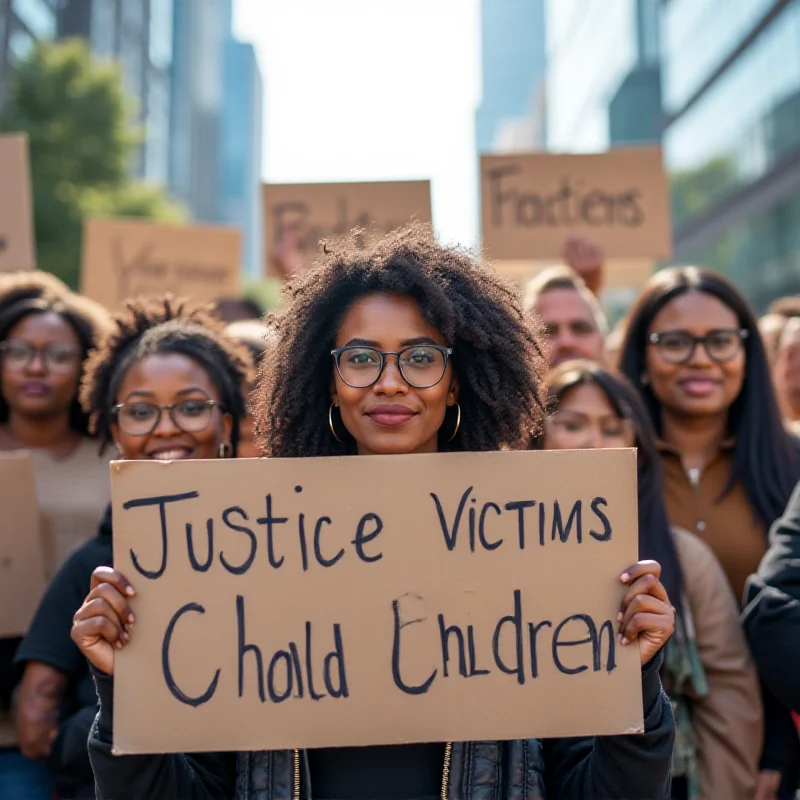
(165, 385)
(45, 334)
(693, 349)
(403, 347)
(707, 672)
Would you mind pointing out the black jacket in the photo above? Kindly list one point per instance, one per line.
(48, 641)
(633, 767)
(771, 620)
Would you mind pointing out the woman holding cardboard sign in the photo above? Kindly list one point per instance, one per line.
(406, 347)
(708, 672)
(164, 385)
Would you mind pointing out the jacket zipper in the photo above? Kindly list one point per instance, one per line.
(448, 754)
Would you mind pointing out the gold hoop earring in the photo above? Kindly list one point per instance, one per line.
(330, 425)
(458, 423)
(225, 450)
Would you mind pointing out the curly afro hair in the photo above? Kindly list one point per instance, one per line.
(158, 326)
(497, 352)
(26, 293)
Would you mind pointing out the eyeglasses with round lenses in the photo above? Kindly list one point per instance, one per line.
(141, 418)
(678, 347)
(421, 366)
(17, 354)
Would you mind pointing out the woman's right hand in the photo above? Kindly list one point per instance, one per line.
(103, 623)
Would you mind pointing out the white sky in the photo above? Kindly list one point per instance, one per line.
(372, 90)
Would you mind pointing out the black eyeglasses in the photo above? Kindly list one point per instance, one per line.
(140, 418)
(17, 354)
(421, 366)
(678, 347)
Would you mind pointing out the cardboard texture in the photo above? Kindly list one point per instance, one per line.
(618, 273)
(326, 210)
(346, 648)
(531, 202)
(124, 258)
(22, 582)
(17, 250)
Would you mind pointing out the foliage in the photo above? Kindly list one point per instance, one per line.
(83, 139)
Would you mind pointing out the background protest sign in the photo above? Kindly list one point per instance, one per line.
(22, 581)
(128, 257)
(17, 249)
(619, 200)
(326, 210)
(352, 601)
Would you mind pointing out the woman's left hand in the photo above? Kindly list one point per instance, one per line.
(646, 614)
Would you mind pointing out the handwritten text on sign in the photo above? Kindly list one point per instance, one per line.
(325, 210)
(532, 202)
(124, 258)
(354, 601)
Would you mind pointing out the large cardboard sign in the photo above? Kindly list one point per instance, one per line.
(124, 258)
(354, 601)
(22, 582)
(17, 249)
(326, 210)
(531, 202)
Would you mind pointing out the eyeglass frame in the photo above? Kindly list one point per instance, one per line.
(208, 402)
(742, 333)
(41, 352)
(336, 353)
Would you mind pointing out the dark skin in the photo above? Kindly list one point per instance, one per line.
(104, 623)
(40, 397)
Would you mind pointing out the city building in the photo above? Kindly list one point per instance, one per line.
(137, 33)
(603, 76)
(512, 111)
(22, 22)
(731, 89)
(240, 156)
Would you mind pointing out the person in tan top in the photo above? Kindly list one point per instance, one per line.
(45, 335)
(708, 673)
(692, 349)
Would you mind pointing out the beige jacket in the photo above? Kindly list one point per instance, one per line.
(728, 722)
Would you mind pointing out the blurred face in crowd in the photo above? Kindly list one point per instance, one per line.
(41, 366)
(570, 325)
(398, 409)
(770, 327)
(194, 427)
(690, 377)
(586, 420)
(787, 368)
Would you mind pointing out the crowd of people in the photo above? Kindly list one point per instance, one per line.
(402, 347)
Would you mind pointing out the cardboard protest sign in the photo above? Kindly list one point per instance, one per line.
(531, 202)
(324, 210)
(124, 258)
(354, 601)
(22, 582)
(17, 249)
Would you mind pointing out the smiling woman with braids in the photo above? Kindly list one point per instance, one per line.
(405, 347)
(163, 385)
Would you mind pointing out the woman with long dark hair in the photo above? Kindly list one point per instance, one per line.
(692, 349)
(404, 347)
(708, 672)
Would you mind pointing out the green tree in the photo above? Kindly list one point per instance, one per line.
(83, 138)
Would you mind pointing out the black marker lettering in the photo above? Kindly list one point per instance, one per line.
(515, 620)
(275, 696)
(606, 534)
(270, 521)
(336, 656)
(519, 506)
(481, 527)
(310, 667)
(445, 633)
(248, 562)
(161, 502)
(423, 687)
(245, 648)
(574, 518)
(532, 631)
(450, 535)
(196, 565)
(167, 671)
(298, 670)
(362, 539)
(325, 562)
(473, 665)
